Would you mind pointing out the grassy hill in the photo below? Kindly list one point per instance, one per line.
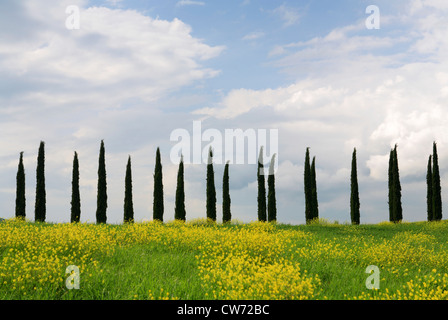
(200, 260)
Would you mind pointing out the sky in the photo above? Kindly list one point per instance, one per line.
(314, 71)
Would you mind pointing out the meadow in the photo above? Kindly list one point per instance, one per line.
(201, 260)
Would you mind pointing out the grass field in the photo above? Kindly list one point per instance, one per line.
(200, 260)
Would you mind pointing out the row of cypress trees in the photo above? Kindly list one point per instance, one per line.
(433, 186)
(434, 195)
(101, 210)
(128, 215)
(40, 201)
(265, 212)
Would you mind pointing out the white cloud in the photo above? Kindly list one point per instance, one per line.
(277, 50)
(254, 35)
(114, 2)
(289, 15)
(116, 46)
(418, 5)
(72, 88)
(364, 90)
(189, 3)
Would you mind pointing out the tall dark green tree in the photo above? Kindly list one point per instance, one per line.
(211, 191)
(314, 202)
(261, 198)
(128, 202)
(158, 206)
(354, 192)
(179, 209)
(226, 213)
(397, 189)
(436, 188)
(308, 188)
(429, 190)
(20, 190)
(395, 208)
(75, 210)
(390, 180)
(272, 201)
(101, 201)
(40, 204)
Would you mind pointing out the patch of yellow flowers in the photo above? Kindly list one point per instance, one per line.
(249, 263)
(243, 261)
(237, 262)
(36, 255)
(432, 286)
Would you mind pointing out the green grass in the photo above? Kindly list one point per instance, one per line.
(131, 272)
(337, 253)
(342, 278)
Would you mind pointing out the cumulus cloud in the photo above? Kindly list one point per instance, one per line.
(359, 89)
(115, 46)
(72, 88)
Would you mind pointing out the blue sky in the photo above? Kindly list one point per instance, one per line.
(137, 70)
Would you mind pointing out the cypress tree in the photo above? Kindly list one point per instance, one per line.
(395, 208)
(211, 192)
(179, 209)
(40, 204)
(158, 206)
(272, 202)
(76, 200)
(398, 211)
(226, 214)
(391, 193)
(261, 198)
(20, 190)
(429, 191)
(101, 208)
(436, 188)
(354, 194)
(314, 203)
(128, 203)
(308, 188)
